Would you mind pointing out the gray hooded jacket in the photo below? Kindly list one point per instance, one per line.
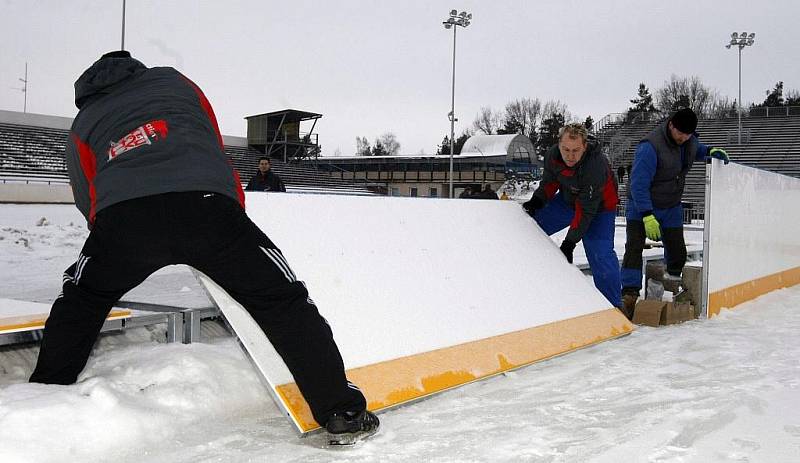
(140, 132)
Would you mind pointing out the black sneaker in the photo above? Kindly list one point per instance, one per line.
(349, 428)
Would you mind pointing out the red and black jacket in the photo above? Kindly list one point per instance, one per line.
(140, 132)
(588, 187)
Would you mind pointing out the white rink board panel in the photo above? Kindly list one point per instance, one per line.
(408, 275)
(414, 290)
(754, 234)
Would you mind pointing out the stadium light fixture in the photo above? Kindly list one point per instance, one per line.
(456, 19)
(741, 40)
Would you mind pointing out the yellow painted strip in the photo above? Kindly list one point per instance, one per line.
(737, 294)
(36, 321)
(394, 382)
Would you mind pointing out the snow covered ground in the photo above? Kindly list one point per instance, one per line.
(726, 389)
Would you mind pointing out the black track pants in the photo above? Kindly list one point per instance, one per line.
(674, 254)
(211, 233)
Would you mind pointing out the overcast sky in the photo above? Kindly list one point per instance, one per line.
(376, 66)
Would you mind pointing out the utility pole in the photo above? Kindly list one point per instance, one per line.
(122, 47)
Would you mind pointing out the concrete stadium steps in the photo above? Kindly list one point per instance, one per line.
(32, 151)
(36, 154)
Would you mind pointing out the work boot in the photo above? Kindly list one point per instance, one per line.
(629, 304)
(672, 283)
(349, 428)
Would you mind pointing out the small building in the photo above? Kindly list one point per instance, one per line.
(277, 134)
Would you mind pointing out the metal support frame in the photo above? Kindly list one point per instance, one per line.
(183, 324)
(706, 239)
(139, 320)
(191, 322)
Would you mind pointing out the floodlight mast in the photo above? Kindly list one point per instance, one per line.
(456, 19)
(122, 46)
(741, 40)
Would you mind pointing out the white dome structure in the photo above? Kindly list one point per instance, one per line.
(516, 147)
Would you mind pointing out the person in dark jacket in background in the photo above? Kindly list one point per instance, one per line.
(660, 164)
(578, 191)
(265, 179)
(486, 193)
(148, 170)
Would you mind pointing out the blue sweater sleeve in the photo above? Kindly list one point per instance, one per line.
(644, 169)
(702, 151)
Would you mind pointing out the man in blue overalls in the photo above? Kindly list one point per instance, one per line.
(578, 190)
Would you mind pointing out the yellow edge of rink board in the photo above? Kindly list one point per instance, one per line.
(36, 321)
(394, 382)
(737, 294)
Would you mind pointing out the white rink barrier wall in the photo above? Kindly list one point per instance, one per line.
(410, 289)
(752, 234)
(35, 192)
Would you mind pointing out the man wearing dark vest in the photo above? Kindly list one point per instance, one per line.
(654, 210)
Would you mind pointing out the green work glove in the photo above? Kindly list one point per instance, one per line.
(720, 154)
(651, 227)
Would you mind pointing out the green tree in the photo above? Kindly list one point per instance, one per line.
(774, 96)
(792, 98)
(378, 149)
(644, 100)
(389, 143)
(588, 123)
(444, 148)
(548, 135)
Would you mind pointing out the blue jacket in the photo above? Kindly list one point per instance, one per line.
(645, 165)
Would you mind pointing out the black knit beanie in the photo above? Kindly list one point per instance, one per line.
(685, 120)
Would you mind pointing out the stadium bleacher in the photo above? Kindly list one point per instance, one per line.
(768, 142)
(36, 154)
(32, 152)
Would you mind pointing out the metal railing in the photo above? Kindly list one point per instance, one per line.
(770, 111)
(607, 120)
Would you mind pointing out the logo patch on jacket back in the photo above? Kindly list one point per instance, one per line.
(146, 134)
